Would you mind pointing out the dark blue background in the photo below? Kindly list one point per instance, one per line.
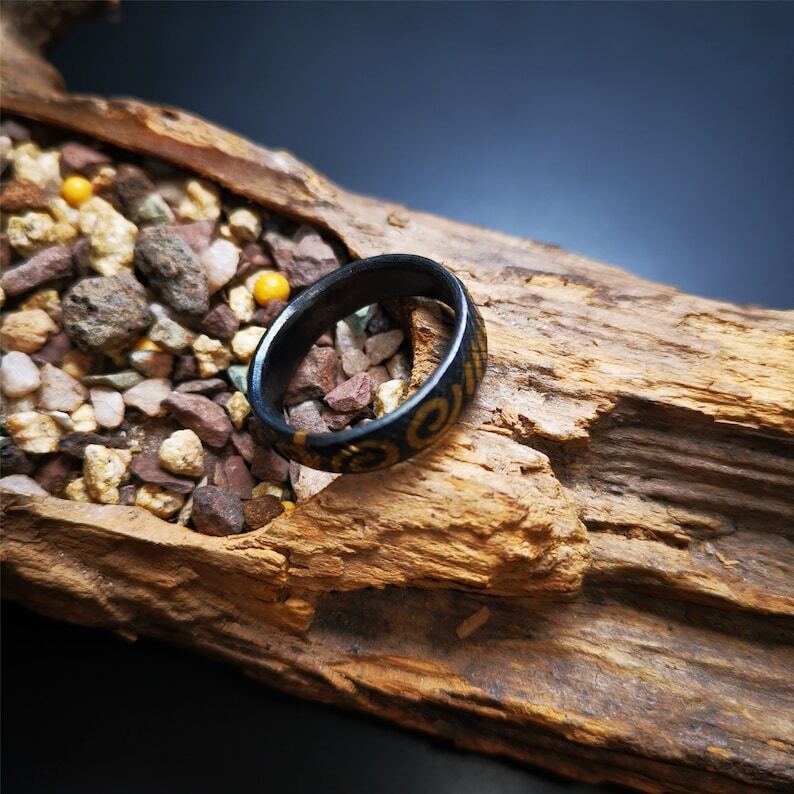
(657, 137)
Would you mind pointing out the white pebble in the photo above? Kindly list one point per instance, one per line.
(220, 264)
(20, 375)
(21, 483)
(108, 406)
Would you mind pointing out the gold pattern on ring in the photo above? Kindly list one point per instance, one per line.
(366, 455)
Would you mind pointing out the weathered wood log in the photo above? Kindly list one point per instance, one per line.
(621, 425)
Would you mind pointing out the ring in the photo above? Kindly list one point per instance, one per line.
(416, 423)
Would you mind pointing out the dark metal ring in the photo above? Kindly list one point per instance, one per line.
(416, 423)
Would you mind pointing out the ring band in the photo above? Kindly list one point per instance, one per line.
(417, 422)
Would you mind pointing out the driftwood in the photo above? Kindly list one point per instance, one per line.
(620, 499)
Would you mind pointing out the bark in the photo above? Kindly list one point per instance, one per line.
(620, 498)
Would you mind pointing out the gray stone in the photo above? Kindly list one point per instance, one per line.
(173, 269)
(105, 313)
(122, 380)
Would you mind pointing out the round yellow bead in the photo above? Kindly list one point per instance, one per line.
(271, 286)
(144, 343)
(288, 506)
(76, 190)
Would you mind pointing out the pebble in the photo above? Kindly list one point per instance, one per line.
(151, 363)
(185, 368)
(47, 265)
(243, 442)
(220, 264)
(217, 512)
(355, 361)
(76, 363)
(158, 501)
(236, 476)
(212, 355)
(83, 419)
(245, 225)
(22, 196)
(315, 376)
(153, 209)
(379, 322)
(244, 342)
(132, 186)
(127, 494)
(14, 131)
(54, 350)
(201, 201)
(47, 300)
(220, 322)
(60, 391)
(147, 469)
(336, 420)
(197, 235)
(20, 375)
(200, 414)
(112, 237)
(259, 512)
(26, 331)
(307, 482)
(267, 464)
(34, 231)
(20, 404)
(148, 396)
(170, 335)
(382, 346)
(173, 269)
(13, 460)
(76, 491)
(303, 259)
(359, 319)
(241, 302)
(105, 313)
(306, 417)
(378, 375)
(269, 489)
(348, 339)
(267, 314)
(103, 471)
(75, 444)
(31, 164)
(238, 375)
(238, 409)
(182, 453)
(77, 158)
(62, 418)
(399, 366)
(108, 406)
(22, 484)
(351, 395)
(56, 473)
(208, 386)
(124, 379)
(388, 396)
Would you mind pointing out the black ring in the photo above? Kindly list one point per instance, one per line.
(415, 423)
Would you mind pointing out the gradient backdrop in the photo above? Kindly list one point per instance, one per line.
(657, 137)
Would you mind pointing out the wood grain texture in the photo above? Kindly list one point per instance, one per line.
(620, 497)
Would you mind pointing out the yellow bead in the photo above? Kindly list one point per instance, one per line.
(144, 343)
(271, 286)
(76, 190)
(288, 506)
